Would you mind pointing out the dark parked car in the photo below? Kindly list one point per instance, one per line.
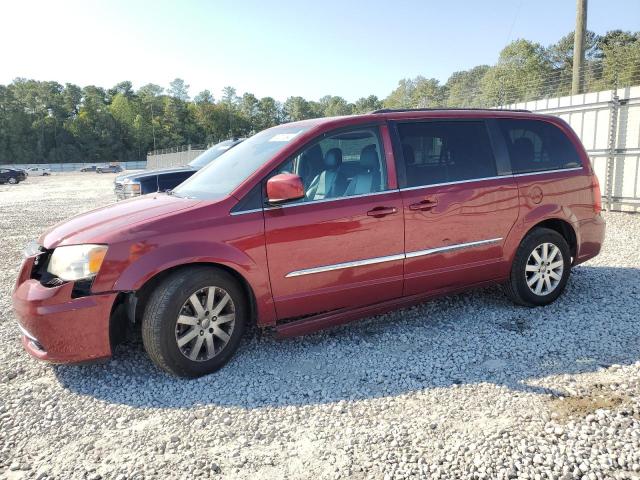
(90, 168)
(12, 175)
(314, 224)
(163, 179)
(109, 169)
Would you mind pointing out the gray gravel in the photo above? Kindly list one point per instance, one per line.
(463, 387)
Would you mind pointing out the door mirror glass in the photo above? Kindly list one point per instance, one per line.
(284, 188)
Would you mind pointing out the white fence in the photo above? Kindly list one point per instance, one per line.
(608, 123)
(73, 167)
(174, 157)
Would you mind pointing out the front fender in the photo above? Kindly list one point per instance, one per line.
(147, 262)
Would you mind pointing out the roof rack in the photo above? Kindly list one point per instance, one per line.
(400, 110)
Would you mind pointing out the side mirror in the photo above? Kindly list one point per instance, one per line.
(284, 188)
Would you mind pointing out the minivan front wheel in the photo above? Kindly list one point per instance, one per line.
(540, 269)
(193, 321)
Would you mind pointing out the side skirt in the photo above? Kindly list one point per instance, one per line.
(347, 315)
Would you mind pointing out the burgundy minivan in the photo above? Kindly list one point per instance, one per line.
(313, 224)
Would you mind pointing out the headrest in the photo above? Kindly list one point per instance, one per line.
(333, 158)
(523, 150)
(369, 157)
(409, 155)
(313, 156)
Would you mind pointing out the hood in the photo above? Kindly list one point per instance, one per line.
(97, 226)
(152, 173)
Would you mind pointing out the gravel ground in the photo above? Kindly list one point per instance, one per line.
(463, 387)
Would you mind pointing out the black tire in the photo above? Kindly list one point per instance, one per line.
(517, 288)
(13, 181)
(159, 323)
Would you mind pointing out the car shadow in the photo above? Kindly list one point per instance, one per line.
(465, 339)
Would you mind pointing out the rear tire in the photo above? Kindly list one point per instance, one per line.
(540, 269)
(190, 328)
(13, 181)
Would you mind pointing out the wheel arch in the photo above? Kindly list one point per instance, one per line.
(142, 294)
(561, 226)
(146, 272)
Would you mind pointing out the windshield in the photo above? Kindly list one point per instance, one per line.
(221, 177)
(211, 154)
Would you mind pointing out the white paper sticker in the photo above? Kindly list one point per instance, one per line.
(283, 137)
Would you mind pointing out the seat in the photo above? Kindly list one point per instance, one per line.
(330, 183)
(311, 162)
(368, 179)
(522, 154)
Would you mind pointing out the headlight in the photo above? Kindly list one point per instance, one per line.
(132, 187)
(76, 262)
(31, 249)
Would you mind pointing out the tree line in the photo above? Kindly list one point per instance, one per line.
(44, 121)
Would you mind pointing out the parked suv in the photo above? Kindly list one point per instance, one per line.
(12, 175)
(314, 224)
(163, 179)
(38, 171)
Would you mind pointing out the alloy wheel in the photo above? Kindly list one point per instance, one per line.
(205, 323)
(544, 268)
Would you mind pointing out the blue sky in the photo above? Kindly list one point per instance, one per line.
(279, 48)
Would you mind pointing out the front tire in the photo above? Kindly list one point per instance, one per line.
(13, 181)
(194, 320)
(540, 269)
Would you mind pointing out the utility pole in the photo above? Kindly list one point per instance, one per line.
(578, 45)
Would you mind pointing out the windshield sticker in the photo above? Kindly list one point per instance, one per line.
(284, 137)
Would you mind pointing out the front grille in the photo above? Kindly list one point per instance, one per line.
(118, 187)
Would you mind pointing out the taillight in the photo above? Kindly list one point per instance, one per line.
(597, 197)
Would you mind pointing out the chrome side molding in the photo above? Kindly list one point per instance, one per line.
(340, 266)
(390, 258)
(449, 248)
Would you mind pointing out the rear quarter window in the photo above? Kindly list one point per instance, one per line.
(538, 146)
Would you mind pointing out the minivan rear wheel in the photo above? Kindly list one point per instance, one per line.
(540, 269)
(193, 321)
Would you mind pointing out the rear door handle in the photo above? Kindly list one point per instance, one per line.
(379, 212)
(426, 204)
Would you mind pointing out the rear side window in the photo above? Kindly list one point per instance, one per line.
(536, 146)
(445, 151)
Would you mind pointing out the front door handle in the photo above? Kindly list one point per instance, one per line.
(379, 212)
(426, 204)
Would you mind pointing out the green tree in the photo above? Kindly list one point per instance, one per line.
(463, 89)
(367, 104)
(522, 73)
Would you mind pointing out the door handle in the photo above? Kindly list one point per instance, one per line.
(426, 204)
(379, 212)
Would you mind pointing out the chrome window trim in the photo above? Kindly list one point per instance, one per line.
(449, 248)
(557, 170)
(340, 266)
(390, 258)
(457, 182)
(444, 184)
(326, 200)
(253, 210)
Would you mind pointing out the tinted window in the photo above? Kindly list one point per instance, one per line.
(339, 165)
(172, 180)
(536, 146)
(445, 151)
